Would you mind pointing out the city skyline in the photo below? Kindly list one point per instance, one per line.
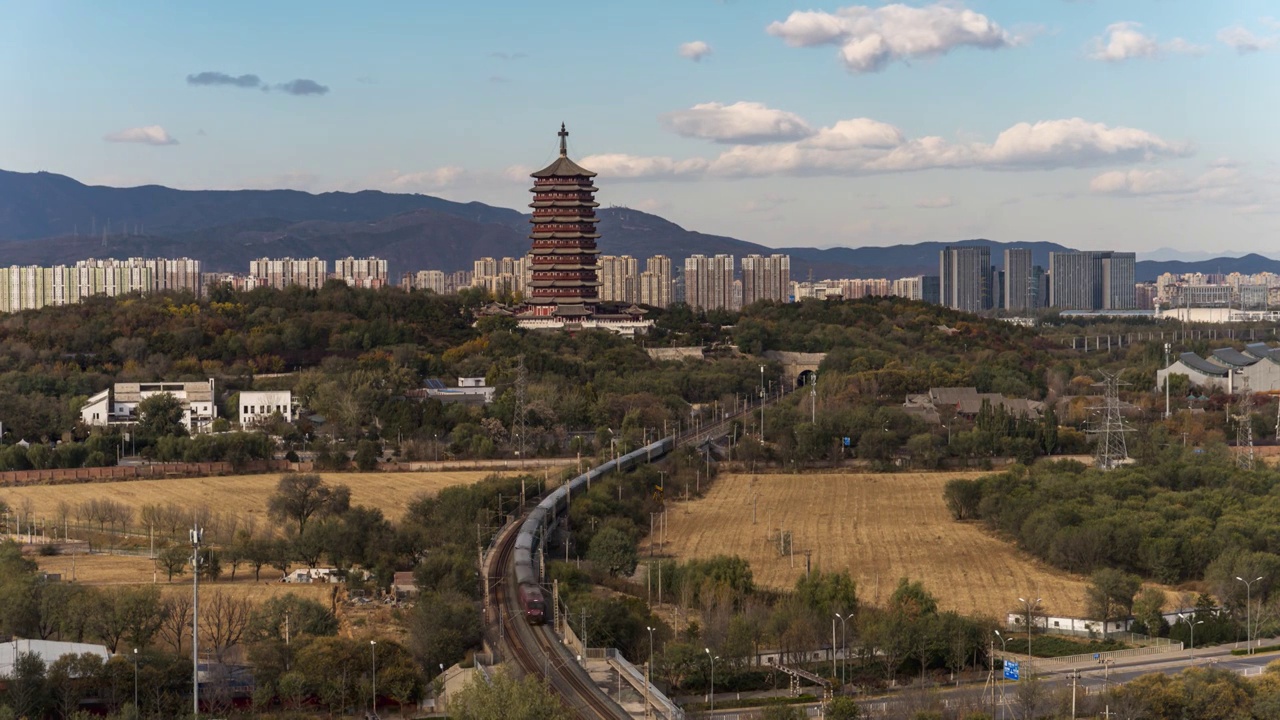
(764, 121)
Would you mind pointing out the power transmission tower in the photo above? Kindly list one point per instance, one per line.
(1244, 441)
(1110, 427)
(521, 409)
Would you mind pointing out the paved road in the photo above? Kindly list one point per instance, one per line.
(1093, 679)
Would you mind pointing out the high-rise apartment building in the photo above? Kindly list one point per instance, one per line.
(1019, 280)
(766, 278)
(965, 278)
(708, 282)
(502, 276)
(655, 282)
(619, 277)
(283, 272)
(368, 272)
(434, 280)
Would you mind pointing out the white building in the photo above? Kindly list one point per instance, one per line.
(257, 406)
(48, 650)
(118, 404)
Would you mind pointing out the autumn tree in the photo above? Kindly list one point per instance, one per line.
(506, 698)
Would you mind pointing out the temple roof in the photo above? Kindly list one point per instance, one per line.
(563, 219)
(563, 203)
(579, 187)
(572, 310)
(563, 235)
(563, 166)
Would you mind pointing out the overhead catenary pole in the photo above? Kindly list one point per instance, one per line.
(197, 534)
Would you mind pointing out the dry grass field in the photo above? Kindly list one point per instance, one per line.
(244, 495)
(879, 527)
(133, 570)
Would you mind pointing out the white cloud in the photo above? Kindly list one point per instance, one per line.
(1243, 41)
(149, 135)
(621, 165)
(870, 38)
(420, 181)
(517, 173)
(1219, 185)
(862, 146)
(935, 203)
(741, 122)
(695, 50)
(1125, 41)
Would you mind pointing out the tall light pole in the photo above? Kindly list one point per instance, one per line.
(844, 650)
(373, 650)
(197, 535)
(1248, 608)
(1004, 650)
(1031, 606)
(648, 673)
(762, 405)
(135, 683)
(713, 678)
(1166, 381)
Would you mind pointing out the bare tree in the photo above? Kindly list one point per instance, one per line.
(223, 620)
(175, 625)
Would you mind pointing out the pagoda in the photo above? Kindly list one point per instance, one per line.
(563, 276)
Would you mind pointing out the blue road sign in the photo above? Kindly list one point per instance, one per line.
(1096, 656)
(846, 442)
(1011, 670)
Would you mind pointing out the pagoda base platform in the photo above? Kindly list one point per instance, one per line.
(625, 325)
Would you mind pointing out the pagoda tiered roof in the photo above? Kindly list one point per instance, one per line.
(563, 273)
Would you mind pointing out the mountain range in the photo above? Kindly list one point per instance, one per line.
(47, 219)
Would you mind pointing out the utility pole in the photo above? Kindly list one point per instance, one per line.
(762, 399)
(1167, 414)
(813, 400)
(197, 535)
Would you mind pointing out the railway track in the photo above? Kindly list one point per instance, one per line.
(536, 649)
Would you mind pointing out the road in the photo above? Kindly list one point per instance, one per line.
(1093, 679)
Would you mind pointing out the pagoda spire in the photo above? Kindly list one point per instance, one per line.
(564, 146)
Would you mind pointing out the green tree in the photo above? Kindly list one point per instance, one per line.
(504, 699)
(174, 560)
(613, 551)
(1110, 593)
(160, 416)
(843, 708)
(782, 712)
(963, 498)
(301, 496)
(367, 454)
(442, 626)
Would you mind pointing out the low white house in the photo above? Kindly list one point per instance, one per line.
(118, 404)
(257, 406)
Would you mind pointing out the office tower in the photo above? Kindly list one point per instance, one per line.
(965, 279)
(1119, 270)
(1019, 281)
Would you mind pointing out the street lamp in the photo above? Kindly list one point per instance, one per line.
(1193, 627)
(373, 649)
(648, 673)
(135, 682)
(1004, 650)
(948, 427)
(197, 535)
(844, 650)
(713, 678)
(1248, 608)
(1031, 606)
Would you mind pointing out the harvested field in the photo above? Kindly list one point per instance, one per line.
(244, 495)
(879, 527)
(135, 570)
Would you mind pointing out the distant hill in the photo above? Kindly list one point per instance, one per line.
(48, 219)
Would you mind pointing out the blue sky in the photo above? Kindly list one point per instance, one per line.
(1126, 124)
